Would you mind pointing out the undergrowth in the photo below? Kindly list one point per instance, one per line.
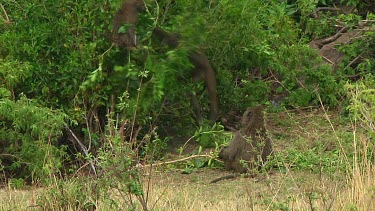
(67, 95)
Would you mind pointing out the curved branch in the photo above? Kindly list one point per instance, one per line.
(7, 20)
(180, 160)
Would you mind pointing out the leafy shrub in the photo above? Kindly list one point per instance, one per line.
(208, 137)
(59, 54)
(28, 135)
(28, 131)
(265, 39)
(121, 174)
(61, 58)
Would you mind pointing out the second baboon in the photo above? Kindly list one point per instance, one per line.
(202, 71)
(250, 145)
(126, 17)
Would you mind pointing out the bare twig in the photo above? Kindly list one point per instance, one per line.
(79, 169)
(7, 20)
(132, 140)
(330, 39)
(333, 129)
(316, 10)
(277, 81)
(328, 60)
(354, 60)
(87, 122)
(166, 9)
(180, 160)
(8, 155)
(311, 199)
(334, 37)
(83, 147)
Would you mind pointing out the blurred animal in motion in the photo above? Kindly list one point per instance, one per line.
(202, 71)
(124, 35)
(124, 22)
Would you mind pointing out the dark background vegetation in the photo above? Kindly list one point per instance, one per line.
(68, 96)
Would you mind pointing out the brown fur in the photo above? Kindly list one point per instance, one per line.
(202, 71)
(249, 143)
(127, 15)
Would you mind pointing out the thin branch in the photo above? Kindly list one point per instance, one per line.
(132, 140)
(87, 122)
(330, 39)
(277, 81)
(180, 160)
(8, 155)
(328, 60)
(5, 13)
(84, 149)
(352, 62)
(316, 10)
(79, 169)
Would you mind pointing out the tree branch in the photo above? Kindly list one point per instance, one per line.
(5, 14)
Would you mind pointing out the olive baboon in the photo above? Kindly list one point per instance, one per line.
(202, 71)
(126, 17)
(250, 145)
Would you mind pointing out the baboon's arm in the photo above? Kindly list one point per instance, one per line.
(212, 93)
(203, 71)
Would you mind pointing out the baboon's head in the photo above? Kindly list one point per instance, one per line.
(124, 34)
(251, 116)
(170, 39)
(224, 154)
(246, 117)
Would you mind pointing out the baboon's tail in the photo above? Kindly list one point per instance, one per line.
(230, 176)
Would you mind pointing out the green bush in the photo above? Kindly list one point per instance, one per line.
(59, 40)
(28, 131)
(57, 61)
(28, 138)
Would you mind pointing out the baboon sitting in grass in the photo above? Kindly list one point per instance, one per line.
(250, 145)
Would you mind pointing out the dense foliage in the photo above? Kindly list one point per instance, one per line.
(58, 69)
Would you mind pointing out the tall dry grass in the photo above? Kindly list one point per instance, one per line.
(350, 189)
